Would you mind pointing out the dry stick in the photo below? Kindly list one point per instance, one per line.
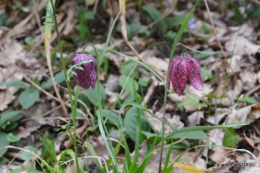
(37, 18)
(124, 33)
(47, 47)
(253, 90)
(150, 91)
(48, 57)
(214, 29)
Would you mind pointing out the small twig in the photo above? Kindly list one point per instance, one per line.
(48, 58)
(253, 90)
(214, 29)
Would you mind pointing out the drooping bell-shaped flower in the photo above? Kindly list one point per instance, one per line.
(87, 76)
(183, 68)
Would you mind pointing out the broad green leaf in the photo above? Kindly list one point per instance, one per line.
(26, 155)
(127, 67)
(92, 94)
(12, 138)
(144, 82)
(170, 35)
(110, 116)
(128, 83)
(9, 116)
(89, 15)
(28, 97)
(205, 75)
(230, 138)
(3, 143)
(59, 77)
(28, 40)
(15, 83)
(131, 124)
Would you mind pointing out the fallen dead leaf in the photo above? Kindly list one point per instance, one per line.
(239, 45)
(195, 118)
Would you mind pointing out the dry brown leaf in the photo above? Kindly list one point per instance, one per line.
(248, 169)
(234, 62)
(195, 118)
(239, 45)
(248, 78)
(234, 93)
(216, 136)
(113, 83)
(206, 90)
(7, 93)
(219, 155)
(247, 114)
(149, 58)
(170, 121)
(14, 50)
(215, 119)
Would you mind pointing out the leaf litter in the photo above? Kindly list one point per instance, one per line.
(230, 76)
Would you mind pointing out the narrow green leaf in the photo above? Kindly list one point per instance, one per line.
(15, 83)
(190, 135)
(3, 143)
(197, 128)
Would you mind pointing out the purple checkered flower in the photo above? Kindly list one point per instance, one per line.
(183, 68)
(87, 76)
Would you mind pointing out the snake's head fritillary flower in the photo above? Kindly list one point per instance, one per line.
(183, 68)
(87, 76)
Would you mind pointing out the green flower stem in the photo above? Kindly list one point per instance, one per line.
(74, 136)
(177, 39)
